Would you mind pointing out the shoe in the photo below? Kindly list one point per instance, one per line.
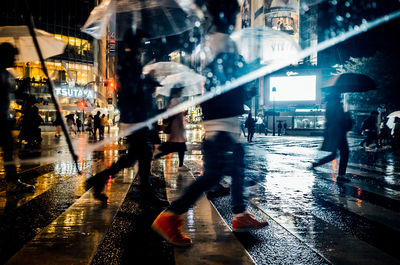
(183, 168)
(168, 225)
(342, 178)
(246, 221)
(19, 186)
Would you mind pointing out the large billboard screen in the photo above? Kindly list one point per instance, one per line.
(298, 88)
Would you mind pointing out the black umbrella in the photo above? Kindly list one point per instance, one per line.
(349, 82)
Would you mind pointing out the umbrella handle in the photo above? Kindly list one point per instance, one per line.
(31, 26)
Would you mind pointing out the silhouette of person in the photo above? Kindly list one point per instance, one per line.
(7, 59)
(221, 147)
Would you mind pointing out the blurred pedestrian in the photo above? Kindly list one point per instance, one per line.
(370, 129)
(176, 139)
(396, 134)
(89, 125)
(135, 103)
(96, 124)
(221, 147)
(30, 123)
(78, 124)
(284, 128)
(71, 123)
(280, 127)
(7, 59)
(103, 124)
(335, 138)
(243, 128)
(250, 124)
(384, 133)
(57, 123)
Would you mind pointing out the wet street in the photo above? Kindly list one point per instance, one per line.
(313, 218)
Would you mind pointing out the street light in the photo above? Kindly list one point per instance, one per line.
(273, 110)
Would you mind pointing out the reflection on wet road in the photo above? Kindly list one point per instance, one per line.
(314, 219)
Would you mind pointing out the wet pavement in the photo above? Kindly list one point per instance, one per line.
(314, 219)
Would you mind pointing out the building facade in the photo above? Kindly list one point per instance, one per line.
(79, 74)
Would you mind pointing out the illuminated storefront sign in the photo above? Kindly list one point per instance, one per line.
(75, 93)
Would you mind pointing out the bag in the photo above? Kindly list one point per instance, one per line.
(348, 121)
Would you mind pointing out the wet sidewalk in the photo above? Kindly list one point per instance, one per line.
(89, 233)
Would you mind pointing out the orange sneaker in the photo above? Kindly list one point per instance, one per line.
(246, 221)
(168, 225)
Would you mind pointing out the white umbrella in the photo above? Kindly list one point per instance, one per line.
(192, 83)
(158, 18)
(20, 37)
(164, 69)
(265, 44)
(391, 116)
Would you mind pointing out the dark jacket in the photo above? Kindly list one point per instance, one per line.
(250, 124)
(334, 132)
(96, 121)
(135, 100)
(225, 67)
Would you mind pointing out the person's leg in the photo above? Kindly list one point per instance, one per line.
(99, 180)
(7, 144)
(213, 151)
(325, 159)
(236, 164)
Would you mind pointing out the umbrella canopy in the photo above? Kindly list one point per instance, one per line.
(163, 69)
(158, 18)
(20, 37)
(391, 116)
(349, 82)
(192, 82)
(265, 44)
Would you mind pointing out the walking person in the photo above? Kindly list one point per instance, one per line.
(103, 124)
(176, 139)
(284, 128)
(7, 59)
(57, 123)
(221, 147)
(280, 126)
(71, 123)
(96, 124)
(78, 124)
(89, 125)
(250, 124)
(370, 128)
(338, 123)
(135, 103)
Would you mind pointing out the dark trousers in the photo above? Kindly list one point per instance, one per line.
(140, 149)
(95, 131)
(344, 156)
(7, 144)
(171, 147)
(220, 154)
(250, 135)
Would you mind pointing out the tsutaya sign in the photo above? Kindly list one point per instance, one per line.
(75, 93)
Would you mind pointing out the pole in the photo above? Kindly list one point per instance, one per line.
(31, 26)
(273, 109)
